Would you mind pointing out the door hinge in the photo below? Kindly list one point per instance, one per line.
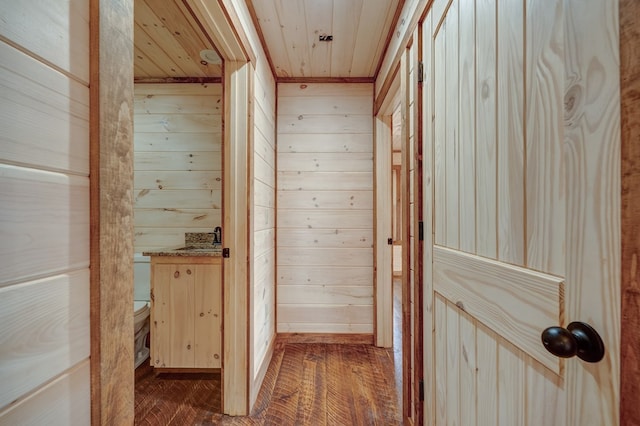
(421, 390)
(226, 252)
(421, 231)
(420, 72)
(390, 241)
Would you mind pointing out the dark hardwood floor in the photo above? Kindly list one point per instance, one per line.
(306, 384)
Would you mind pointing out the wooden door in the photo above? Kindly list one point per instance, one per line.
(172, 320)
(521, 126)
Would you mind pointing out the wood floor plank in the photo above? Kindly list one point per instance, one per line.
(305, 384)
(284, 401)
(312, 403)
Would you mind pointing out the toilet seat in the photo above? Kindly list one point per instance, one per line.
(140, 314)
(141, 329)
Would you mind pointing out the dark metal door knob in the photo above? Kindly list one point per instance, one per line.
(577, 339)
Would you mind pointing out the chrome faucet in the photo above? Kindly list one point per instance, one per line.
(217, 235)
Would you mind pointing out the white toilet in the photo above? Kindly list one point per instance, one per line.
(142, 283)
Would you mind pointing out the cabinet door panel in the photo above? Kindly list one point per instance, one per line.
(173, 313)
(208, 316)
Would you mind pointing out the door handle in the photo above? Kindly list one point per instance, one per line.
(577, 339)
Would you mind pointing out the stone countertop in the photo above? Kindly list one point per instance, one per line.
(187, 251)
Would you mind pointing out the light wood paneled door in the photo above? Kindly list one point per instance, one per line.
(525, 149)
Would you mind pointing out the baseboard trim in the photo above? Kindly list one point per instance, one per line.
(335, 338)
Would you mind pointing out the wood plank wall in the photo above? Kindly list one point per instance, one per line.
(177, 162)
(262, 161)
(325, 208)
(44, 193)
(263, 277)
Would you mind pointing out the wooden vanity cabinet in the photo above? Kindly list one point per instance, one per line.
(186, 312)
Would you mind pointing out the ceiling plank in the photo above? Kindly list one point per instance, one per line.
(275, 43)
(346, 20)
(293, 26)
(154, 29)
(319, 17)
(152, 51)
(393, 14)
(146, 64)
(365, 53)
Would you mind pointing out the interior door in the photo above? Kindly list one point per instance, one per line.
(521, 128)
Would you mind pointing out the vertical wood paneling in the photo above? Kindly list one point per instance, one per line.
(510, 138)
(312, 199)
(440, 364)
(427, 198)
(439, 137)
(540, 143)
(486, 149)
(487, 355)
(452, 149)
(415, 198)
(468, 391)
(511, 385)
(453, 365)
(173, 284)
(543, 398)
(467, 125)
(545, 190)
(178, 176)
(406, 208)
(207, 305)
(592, 167)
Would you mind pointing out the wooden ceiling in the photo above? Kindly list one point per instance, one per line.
(168, 41)
(291, 30)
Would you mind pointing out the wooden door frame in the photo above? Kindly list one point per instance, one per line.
(630, 220)
(419, 241)
(111, 200)
(383, 229)
(111, 211)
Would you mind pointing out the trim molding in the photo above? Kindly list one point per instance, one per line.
(335, 338)
(630, 221)
(178, 80)
(325, 80)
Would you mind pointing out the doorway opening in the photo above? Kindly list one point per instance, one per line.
(178, 202)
